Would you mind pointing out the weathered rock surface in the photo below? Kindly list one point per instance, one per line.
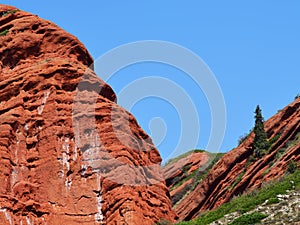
(239, 170)
(68, 153)
(183, 173)
(180, 168)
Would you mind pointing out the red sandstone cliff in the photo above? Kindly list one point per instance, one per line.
(239, 170)
(68, 153)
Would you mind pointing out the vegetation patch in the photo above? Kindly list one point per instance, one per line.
(238, 179)
(273, 201)
(249, 219)
(292, 166)
(280, 153)
(273, 140)
(3, 33)
(250, 201)
(164, 222)
(191, 176)
(10, 12)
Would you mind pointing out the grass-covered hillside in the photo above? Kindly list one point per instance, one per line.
(276, 202)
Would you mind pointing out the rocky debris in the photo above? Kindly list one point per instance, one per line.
(239, 170)
(286, 212)
(68, 153)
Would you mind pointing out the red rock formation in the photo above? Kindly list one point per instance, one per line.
(238, 170)
(68, 153)
(187, 163)
(183, 172)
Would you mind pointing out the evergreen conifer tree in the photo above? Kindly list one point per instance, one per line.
(260, 140)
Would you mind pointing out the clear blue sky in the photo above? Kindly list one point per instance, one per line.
(253, 48)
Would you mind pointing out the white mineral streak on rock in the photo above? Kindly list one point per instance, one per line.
(26, 127)
(14, 177)
(99, 218)
(75, 152)
(29, 222)
(40, 109)
(66, 161)
(7, 215)
(66, 153)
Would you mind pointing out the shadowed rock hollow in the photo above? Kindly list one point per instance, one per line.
(68, 153)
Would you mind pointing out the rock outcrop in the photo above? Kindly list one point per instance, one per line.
(183, 173)
(240, 170)
(68, 153)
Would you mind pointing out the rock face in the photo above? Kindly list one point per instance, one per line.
(183, 173)
(239, 170)
(68, 153)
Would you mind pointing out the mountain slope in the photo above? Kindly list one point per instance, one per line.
(240, 170)
(277, 202)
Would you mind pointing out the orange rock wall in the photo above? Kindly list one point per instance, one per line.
(68, 153)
